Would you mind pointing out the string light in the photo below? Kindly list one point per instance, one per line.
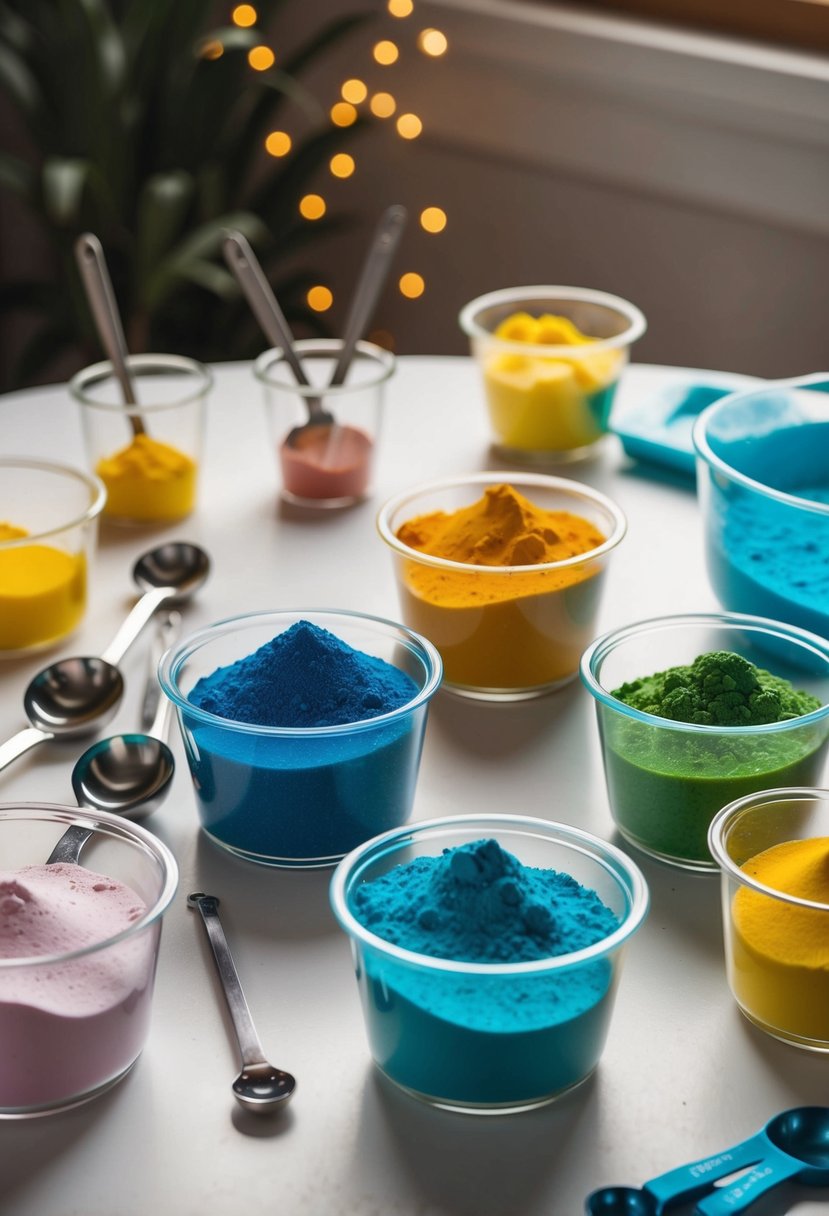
(343, 114)
(354, 91)
(400, 8)
(244, 15)
(385, 52)
(319, 298)
(342, 165)
(382, 105)
(432, 42)
(409, 126)
(412, 285)
(212, 49)
(261, 58)
(312, 207)
(433, 219)
(278, 143)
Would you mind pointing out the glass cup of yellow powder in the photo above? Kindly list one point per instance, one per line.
(551, 358)
(773, 851)
(48, 529)
(504, 575)
(148, 458)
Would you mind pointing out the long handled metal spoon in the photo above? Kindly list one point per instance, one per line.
(128, 775)
(259, 1086)
(76, 697)
(104, 308)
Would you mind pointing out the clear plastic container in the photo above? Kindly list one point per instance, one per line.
(490, 1038)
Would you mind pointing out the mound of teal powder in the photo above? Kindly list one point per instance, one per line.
(304, 677)
(477, 903)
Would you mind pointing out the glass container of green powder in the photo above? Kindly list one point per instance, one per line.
(698, 710)
(487, 951)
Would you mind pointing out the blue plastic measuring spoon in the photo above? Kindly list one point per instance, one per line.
(792, 1144)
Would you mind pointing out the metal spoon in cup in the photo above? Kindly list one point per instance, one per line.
(259, 1086)
(104, 308)
(77, 696)
(792, 1144)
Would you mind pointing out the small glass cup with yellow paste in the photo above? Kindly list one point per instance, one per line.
(48, 528)
(551, 358)
(148, 455)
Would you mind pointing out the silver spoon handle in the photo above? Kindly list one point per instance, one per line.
(367, 292)
(139, 615)
(257, 291)
(155, 708)
(102, 302)
(68, 848)
(249, 1045)
(20, 743)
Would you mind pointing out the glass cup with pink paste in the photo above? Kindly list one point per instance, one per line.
(325, 437)
(78, 952)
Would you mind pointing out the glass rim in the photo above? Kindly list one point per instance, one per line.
(615, 862)
(575, 489)
(635, 318)
(96, 488)
(729, 868)
(602, 646)
(78, 385)
(699, 435)
(119, 828)
(384, 359)
(173, 660)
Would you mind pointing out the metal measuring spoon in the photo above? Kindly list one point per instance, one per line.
(128, 775)
(100, 296)
(169, 574)
(259, 1087)
(792, 1144)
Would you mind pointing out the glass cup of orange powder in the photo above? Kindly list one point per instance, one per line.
(504, 575)
(325, 435)
(48, 530)
(148, 456)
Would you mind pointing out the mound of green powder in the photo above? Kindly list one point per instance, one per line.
(718, 689)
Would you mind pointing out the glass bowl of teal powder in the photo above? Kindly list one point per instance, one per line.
(487, 951)
(763, 483)
(303, 729)
(699, 710)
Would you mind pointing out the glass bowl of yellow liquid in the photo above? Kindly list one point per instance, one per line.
(48, 531)
(550, 358)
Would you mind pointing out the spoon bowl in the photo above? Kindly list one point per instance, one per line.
(126, 774)
(178, 566)
(261, 1087)
(621, 1201)
(73, 697)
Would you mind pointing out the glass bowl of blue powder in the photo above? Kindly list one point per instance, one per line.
(487, 951)
(303, 729)
(763, 482)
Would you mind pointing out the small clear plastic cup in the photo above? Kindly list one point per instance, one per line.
(151, 477)
(490, 1038)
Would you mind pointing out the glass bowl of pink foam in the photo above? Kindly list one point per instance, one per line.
(78, 952)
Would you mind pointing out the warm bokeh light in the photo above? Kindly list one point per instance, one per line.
(343, 114)
(432, 42)
(354, 91)
(319, 298)
(211, 49)
(382, 337)
(433, 219)
(312, 206)
(411, 285)
(243, 15)
(400, 8)
(342, 165)
(385, 52)
(261, 58)
(409, 126)
(382, 105)
(278, 143)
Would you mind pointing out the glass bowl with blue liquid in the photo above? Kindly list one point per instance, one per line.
(487, 1037)
(763, 484)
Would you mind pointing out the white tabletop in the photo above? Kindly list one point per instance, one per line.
(683, 1074)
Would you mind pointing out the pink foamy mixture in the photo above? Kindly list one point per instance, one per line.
(69, 1026)
(327, 462)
